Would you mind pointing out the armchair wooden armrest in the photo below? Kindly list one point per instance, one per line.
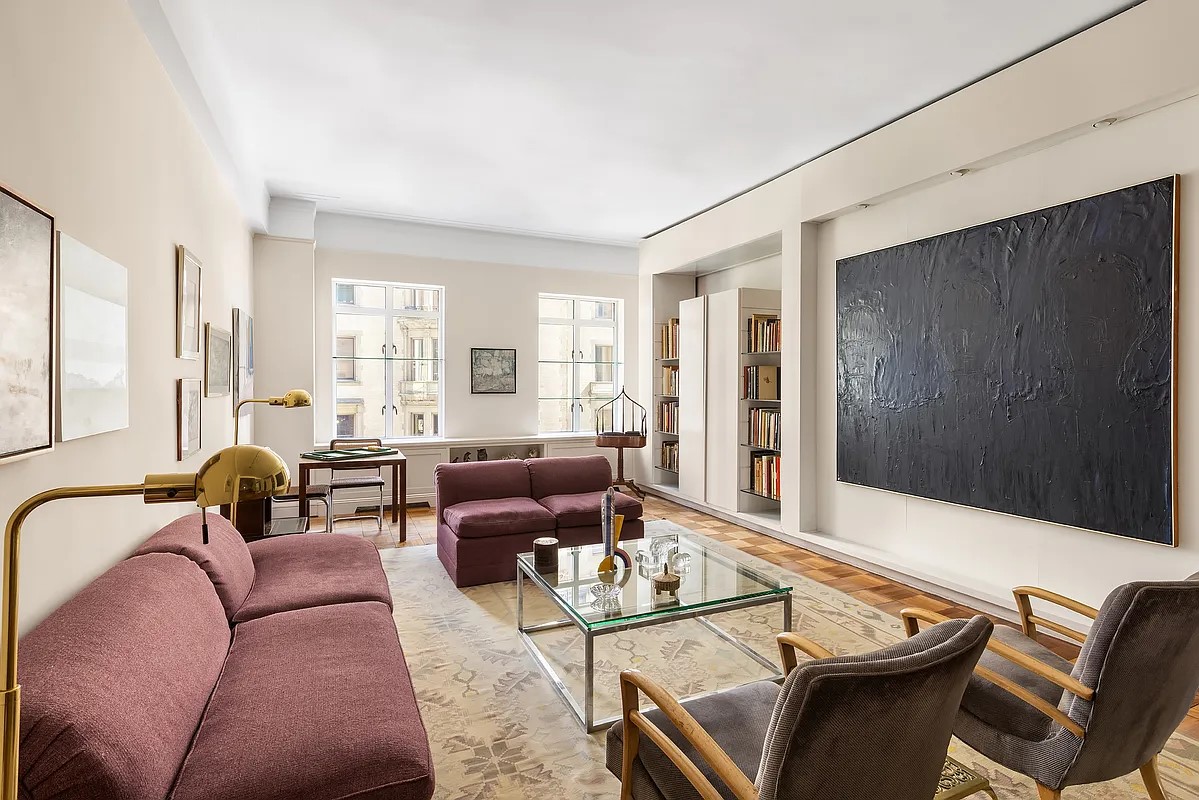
(911, 622)
(636, 723)
(1029, 621)
(790, 642)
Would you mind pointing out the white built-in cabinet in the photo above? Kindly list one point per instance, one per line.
(692, 422)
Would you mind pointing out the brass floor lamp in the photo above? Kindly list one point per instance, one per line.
(240, 472)
(296, 398)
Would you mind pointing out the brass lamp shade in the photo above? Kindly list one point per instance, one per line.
(296, 398)
(241, 472)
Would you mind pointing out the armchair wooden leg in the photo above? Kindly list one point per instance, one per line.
(632, 740)
(1046, 793)
(1153, 781)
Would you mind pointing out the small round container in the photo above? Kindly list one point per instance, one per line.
(545, 554)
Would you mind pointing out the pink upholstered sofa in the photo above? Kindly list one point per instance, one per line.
(261, 672)
(489, 511)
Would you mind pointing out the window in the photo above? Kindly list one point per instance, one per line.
(386, 359)
(579, 360)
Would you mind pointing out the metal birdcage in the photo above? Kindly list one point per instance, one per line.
(621, 423)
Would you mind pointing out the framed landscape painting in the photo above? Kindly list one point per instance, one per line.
(492, 370)
(218, 361)
(94, 342)
(187, 408)
(243, 357)
(188, 284)
(26, 327)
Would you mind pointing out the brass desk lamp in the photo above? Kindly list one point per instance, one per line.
(240, 472)
(296, 398)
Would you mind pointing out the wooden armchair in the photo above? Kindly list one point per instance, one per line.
(851, 726)
(1097, 719)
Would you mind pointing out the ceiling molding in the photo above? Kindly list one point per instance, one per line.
(247, 185)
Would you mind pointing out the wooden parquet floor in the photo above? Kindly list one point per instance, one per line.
(882, 593)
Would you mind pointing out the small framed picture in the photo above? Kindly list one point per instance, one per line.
(187, 408)
(188, 284)
(218, 361)
(492, 370)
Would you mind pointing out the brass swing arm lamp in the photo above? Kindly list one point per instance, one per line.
(296, 398)
(240, 472)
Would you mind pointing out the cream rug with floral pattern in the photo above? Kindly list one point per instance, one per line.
(498, 730)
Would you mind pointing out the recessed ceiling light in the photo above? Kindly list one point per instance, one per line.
(1104, 123)
(957, 173)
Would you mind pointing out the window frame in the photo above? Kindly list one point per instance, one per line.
(389, 313)
(577, 323)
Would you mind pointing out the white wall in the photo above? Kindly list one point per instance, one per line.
(94, 133)
(765, 273)
(1027, 135)
(486, 305)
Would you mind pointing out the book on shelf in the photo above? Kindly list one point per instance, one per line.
(766, 475)
(760, 382)
(764, 334)
(670, 339)
(764, 428)
(668, 456)
(670, 379)
(668, 416)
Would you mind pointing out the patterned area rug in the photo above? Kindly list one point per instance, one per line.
(498, 730)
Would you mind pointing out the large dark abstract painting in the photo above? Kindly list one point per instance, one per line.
(1023, 366)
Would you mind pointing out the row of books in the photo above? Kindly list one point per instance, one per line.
(760, 382)
(670, 380)
(670, 339)
(668, 456)
(764, 428)
(764, 333)
(668, 416)
(765, 477)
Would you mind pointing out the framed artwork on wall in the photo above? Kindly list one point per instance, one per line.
(492, 370)
(188, 285)
(243, 358)
(188, 414)
(94, 342)
(27, 335)
(218, 361)
(1024, 366)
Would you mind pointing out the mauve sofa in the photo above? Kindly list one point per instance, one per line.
(267, 671)
(489, 511)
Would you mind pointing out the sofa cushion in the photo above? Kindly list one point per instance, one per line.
(315, 703)
(568, 475)
(577, 510)
(225, 558)
(114, 682)
(479, 480)
(479, 518)
(316, 569)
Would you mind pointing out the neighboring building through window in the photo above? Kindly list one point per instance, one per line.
(386, 359)
(579, 360)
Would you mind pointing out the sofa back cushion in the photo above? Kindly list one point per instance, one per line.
(114, 683)
(225, 558)
(551, 476)
(479, 480)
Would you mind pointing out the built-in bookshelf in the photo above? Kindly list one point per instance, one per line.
(761, 456)
(666, 402)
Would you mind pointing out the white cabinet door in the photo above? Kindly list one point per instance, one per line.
(692, 397)
(722, 376)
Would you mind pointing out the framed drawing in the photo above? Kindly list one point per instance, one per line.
(187, 407)
(188, 284)
(94, 342)
(26, 327)
(492, 370)
(243, 358)
(1024, 366)
(218, 361)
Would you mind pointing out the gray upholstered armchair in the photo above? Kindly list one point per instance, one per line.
(874, 725)
(1106, 715)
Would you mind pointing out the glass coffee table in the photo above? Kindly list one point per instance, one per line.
(711, 583)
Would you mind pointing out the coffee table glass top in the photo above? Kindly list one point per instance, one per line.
(708, 578)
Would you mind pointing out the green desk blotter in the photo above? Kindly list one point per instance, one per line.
(345, 455)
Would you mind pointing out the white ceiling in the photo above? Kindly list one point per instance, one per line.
(599, 120)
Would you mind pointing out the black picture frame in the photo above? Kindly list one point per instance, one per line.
(493, 370)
